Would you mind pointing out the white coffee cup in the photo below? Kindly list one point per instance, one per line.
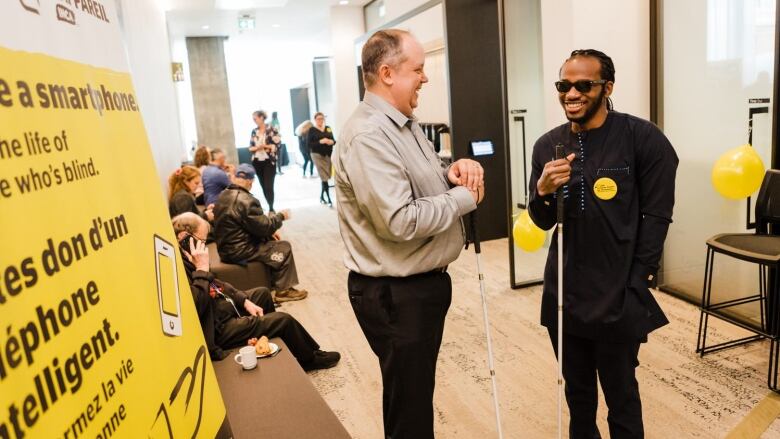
(247, 357)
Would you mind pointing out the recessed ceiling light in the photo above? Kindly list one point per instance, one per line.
(344, 2)
(248, 4)
(246, 21)
(276, 25)
(205, 26)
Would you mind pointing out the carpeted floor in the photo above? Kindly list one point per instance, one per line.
(683, 396)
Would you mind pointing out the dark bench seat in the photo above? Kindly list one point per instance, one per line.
(243, 277)
(275, 400)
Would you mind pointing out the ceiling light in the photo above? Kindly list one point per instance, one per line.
(246, 21)
(248, 4)
(276, 25)
(344, 2)
(205, 27)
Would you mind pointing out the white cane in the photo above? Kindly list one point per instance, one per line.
(478, 251)
(559, 154)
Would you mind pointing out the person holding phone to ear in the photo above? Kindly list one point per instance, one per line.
(230, 317)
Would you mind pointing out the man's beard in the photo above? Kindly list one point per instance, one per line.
(592, 110)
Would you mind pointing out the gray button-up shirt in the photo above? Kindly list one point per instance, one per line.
(397, 213)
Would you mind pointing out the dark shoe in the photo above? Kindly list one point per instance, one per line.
(322, 360)
(218, 354)
(289, 295)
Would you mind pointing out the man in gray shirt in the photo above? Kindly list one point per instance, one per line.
(400, 215)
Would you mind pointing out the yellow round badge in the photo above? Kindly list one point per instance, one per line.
(605, 188)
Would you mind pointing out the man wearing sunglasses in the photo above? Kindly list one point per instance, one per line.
(618, 184)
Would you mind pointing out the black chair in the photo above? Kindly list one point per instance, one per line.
(762, 248)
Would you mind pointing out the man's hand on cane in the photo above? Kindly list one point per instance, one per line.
(554, 174)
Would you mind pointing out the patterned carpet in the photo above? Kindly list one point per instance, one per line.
(684, 396)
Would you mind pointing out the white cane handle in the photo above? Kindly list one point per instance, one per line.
(559, 154)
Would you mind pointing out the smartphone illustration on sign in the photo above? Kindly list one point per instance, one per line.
(167, 286)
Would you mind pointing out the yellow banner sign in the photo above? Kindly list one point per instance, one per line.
(99, 337)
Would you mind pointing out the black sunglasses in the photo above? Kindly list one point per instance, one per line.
(582, 86)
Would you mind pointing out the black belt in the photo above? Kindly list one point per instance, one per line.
(434, 271)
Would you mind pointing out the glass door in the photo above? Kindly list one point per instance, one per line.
(717, 79)
(525, 122)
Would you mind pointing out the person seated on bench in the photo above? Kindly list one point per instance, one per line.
(244, 233)
(216, 177)
(230, 317)
(182, 185)
(202, 158)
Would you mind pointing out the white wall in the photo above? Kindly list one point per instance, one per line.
(346, 24)
(189, 127)
(146, 42)
(621, 29)
(396, 8)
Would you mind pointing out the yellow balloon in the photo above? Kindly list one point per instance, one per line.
(527, 235)
(738, 172)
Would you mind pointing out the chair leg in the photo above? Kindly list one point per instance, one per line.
(762, 287)
(705, 302)
(774, 343)
(771, 363)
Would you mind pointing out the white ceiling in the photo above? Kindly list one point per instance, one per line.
(275, 20)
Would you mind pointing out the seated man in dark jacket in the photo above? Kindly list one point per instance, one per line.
(244, 233)
(230, 317)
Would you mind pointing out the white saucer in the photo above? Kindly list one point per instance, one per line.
(274, 350)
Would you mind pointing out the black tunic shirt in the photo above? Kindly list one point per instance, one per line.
(612, 246)
(315, 135)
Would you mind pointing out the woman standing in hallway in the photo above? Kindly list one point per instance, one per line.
(264, 144)
(321, 141)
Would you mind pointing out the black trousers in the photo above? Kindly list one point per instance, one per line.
(403, 321)
(308, 161)
(614, 364)
(236, 331)
(306, 153)
(280, 152)
(278, 256)
(266, 174)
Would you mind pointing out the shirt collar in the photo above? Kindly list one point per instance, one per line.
(382, 105)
